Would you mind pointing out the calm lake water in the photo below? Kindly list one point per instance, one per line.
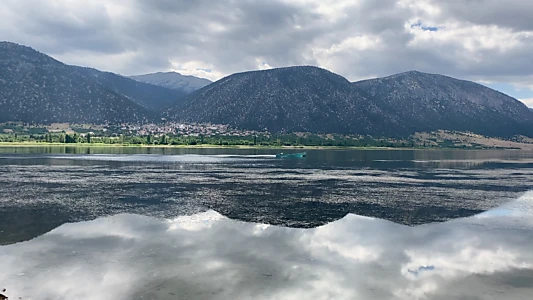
(174, 223)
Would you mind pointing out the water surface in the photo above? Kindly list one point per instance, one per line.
(42, 191)
(123, 223)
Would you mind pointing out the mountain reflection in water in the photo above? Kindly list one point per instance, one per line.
(208, 256)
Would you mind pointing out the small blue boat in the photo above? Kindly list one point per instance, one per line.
(291, 155)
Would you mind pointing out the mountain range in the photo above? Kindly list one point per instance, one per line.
(36, 88)
(311, 99)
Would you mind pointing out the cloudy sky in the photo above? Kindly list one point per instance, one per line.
(488, 41)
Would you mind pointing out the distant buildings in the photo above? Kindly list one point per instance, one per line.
(184, 129)
(170, 128)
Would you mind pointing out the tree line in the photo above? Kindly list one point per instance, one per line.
(220, 140)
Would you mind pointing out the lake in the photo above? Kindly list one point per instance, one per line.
(177, 223)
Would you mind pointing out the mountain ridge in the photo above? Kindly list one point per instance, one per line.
(400, 104)
(148, 95)
(173, 80)
(37, 88)
(434, 101)
(283, 112)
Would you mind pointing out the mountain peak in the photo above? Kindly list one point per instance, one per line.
(414, 74)
(160, 73)
(14, 51)
(292, 74)
(173, 80)
(6, 43)
(302, 69)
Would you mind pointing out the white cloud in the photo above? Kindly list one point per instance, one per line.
(527, 102)
(196, 68)
(477, 40)
(196, 222)
(128, 256)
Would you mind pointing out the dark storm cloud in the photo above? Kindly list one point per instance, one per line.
(485, 40)
(229, 35)
(55, 28)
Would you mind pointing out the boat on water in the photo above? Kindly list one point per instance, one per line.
(291, 155)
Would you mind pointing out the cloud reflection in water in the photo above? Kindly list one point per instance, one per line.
(208, 256)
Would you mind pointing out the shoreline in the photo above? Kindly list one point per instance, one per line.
(203, 146)
(211, 146)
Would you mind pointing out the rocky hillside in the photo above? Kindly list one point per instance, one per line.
(37, 88)
(173, 80)
(315, 100)
(150, 96)
(283, 100)
(428, 102)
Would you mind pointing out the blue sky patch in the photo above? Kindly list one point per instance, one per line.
(424, 27)
(421, 269)
(511, 90)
